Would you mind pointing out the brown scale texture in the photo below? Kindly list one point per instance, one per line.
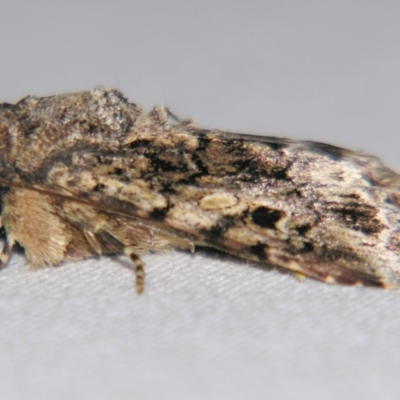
(91, 173)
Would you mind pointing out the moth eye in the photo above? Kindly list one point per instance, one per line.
(266, 217)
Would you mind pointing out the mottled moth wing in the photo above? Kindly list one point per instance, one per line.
(104, 177)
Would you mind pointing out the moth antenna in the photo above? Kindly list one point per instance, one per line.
(187, 122)
(172, 115)
(6, 252)
(152, 241)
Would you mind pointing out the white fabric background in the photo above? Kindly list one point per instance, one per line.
(207, 326)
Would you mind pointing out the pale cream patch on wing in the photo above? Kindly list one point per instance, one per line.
(187, 217)
(218, 200)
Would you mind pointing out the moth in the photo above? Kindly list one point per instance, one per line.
(90, 173)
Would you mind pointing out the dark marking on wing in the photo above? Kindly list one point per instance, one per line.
(222, 225)
(302, 229)
(201, 166)
(159, 214)
(167, 188)
(119, 171)
(258, 250)
(359, 216)
(266, 217)
(162, 165)
(203, 141)
(332, 254)
(307, 247)
(146, 143)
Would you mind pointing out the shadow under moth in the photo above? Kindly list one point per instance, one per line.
(90, 173)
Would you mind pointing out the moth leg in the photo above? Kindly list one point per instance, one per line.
(164, 115)
(299, 276)
(93, 242)
(129, 251)
(139, 268)
(6, 252)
